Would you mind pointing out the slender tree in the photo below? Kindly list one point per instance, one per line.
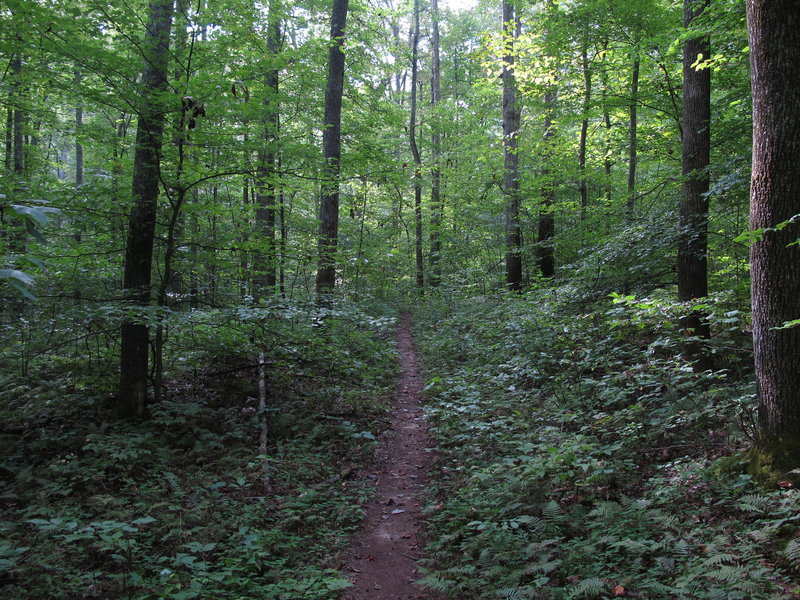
(511, 117)
(412, 138)
(331, 146)
(583, 187)
(132, 396)
(547, 222)
(633, 124)
(265, 263)
(437, 208)
(774, 30)
(693, 240)
(78, 128)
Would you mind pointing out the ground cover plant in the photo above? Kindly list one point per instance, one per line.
(584, 457)
(176, 506)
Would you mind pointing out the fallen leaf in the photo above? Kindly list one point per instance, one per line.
(618, 591)
(398, 511)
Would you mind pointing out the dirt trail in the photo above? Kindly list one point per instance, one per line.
(383, 562)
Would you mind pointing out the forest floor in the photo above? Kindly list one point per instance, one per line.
(383, 560)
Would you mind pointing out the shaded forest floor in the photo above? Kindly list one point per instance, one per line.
(578, 455)
(389, 544)
(581, 455)
(175, 507)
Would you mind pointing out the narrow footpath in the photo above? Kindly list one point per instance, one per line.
(383, 562)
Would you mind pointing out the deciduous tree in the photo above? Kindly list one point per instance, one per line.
(774, 30)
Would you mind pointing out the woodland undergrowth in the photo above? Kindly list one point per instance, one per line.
(583, 457)
(176, 507)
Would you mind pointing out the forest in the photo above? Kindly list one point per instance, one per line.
(243, 244)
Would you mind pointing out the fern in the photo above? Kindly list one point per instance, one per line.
(717, 559)
(728, 573)
(754, 503)
(792, 550)
(436, 584)
(605, 510)
(553, 512)
(546, 565)
(588, 588)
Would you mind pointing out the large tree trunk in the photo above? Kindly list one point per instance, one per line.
(331, 145)
(412, 138)
(437, 208)
(511, 116)
(132, 397)
(693, 240)
(774, 28)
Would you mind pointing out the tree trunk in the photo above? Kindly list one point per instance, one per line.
(132, 397)
(547, 222)
(774, 28)
(587, 99)
(437, 206)
(607, 163)
(412, 138)
(78, 131)
(331, 145)
(9, 157)
(511, 116)
(266, 199)
(19, 116)
(693, 240)
(632, 138)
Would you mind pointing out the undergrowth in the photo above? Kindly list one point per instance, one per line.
(583, 457)
(176, 507)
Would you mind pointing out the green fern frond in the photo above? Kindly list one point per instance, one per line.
(728, 573)
(754, 503)
(588, 588)
(436, 584)
(719, 559)
(657, 588)
(606, 509)
(792, 550)
(552, 511)
(681, 548)
(544, 566)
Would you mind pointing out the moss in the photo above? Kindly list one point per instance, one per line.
(775, 460)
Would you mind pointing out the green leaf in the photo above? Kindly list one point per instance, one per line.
(37, 213)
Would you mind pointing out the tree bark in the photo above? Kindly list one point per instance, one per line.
(511, 117)
(412, 138)
(607, 163)
(78, 131)
(9, 157)
(437, 206)
(632, 138)
(331, 144)
(587, 99)
(132, 396)
(265, 263)
(774, 29)
(693, 240)
(19, 116)
(547, 222)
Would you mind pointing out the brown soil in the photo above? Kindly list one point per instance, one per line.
(383, 561)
